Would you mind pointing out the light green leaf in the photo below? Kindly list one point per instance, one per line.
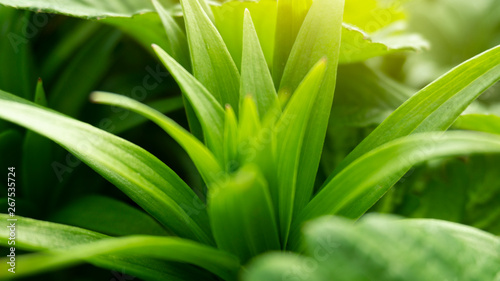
(249, 120)
(211, 61)
(358, 46)
(229, 20)
(436, 106)
(238, 226)
(289, 18)
(290, 134)
(478, 122)
(207, 109)
(256, 79)
(386, 247)
(356, 188)
(163, 248)
(35, 235)
(319, 37)
(143, 177)
(115, 217)
(204, 160)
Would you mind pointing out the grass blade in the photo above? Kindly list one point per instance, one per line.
(478, 122)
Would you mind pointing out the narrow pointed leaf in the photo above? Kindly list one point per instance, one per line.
(319, 37)
(256, 79)
(230, 141)
(359, 186)
(239, 226)
(202, 157)
(143, 177)
(178, 46)
(291, 129)
(35, 235)
(207, 109)
(212, 63)
(436, 106)
(290, 15)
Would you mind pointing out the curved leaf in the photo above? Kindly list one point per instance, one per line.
(479, 122)
(143, 177)
(354, 190)
(203, 159)
(35, 235)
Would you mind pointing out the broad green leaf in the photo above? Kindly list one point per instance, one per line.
(162, 248)
(386, 247)
(372, 15)
(143, 177)
(478, 122)
(211, 61)
(115, 217)
(178, 45)
(70, 92)
(289, 18)
(256, 79)
(358, 46)
(207, 109)
(35, 235)
(290, 134)
(229, 21)
(319, 37)
(36, 161)
(436, 106)
(359, 186)
(204, 160)
(239, 227)
(90, 9)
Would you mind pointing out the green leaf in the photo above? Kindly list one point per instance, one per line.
(436, 106)
(385, 247)
(164, 106)
(291, 129)
(289, 19)
(478, 122)
(358, 46)
(115, 217)
(163, 248)
(230, 141)
(143, 177)
(359, 186)
(35, 235)
(319, 37)
(256, 79)
(90, 9)
(238, 226)
(212, 63)
(178, 45)
(204, 160)
(229, 20)
(207, 109)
